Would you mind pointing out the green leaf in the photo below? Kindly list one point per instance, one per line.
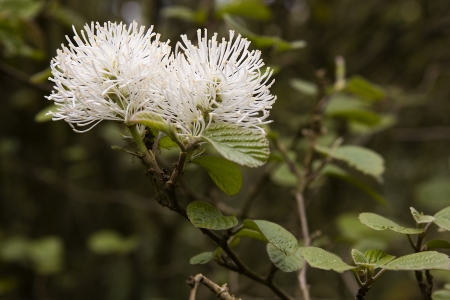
(378, 222)
(351, 109)
(420, 218)
(46, 254)
(359, 86)
(225, 174)
(305, 87)
(441, 295)
(321, 259)
(362, 159)
(278, 236)
(167, 143)
(262, 41)
(426, 260)
(442, 218)
(202, 258)
(253, 234)
(14, 249)
(205, 215)
(358, 257)
(111, 242)
(152, 121)
(240, 145)
(283, 262)
(43, 116)
(438, 244)
(185, 13)
(377, 258)
(434, 194)
(284, 177)
(41, 77)
(255, 9)
(336, 172)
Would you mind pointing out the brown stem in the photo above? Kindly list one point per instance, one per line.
(220, 291)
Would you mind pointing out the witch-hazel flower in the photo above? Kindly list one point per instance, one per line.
(216, 83)
(109, 72)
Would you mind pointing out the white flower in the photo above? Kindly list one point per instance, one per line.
(108, 73)
(215, 83)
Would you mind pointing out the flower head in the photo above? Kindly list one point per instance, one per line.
(108, 73)
(213, 83)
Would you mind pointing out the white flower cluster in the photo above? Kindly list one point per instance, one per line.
(112, 71)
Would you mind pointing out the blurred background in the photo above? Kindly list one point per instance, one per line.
(79, 221)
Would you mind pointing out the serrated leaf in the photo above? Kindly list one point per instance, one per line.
(283, 262)
(438, 244)
(262, 41)
(378, 222)
(255, 9)
(275, 234)
(362, 159)
(240, 145)
(111, 242)
(205, 215)
(426, 260)
(201, 258)
(43, 116)
(225, 174)
(358, 257)
(305, 87)
(253, 234)
(442, 218)
(321, 259)
(359, 86)
(336, 172)
(420, 218)
(377, 258)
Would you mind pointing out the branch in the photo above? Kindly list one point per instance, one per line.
(220, 291)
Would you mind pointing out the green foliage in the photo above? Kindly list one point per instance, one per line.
(426, 260)
(282, 239)
(46, 254)
(357, 85)
(202, 258)
(255, 9)
(362, 159)
(442, 218)
(321, 259)
(437, 244)
(371, 258)
(225, 174)
(43, 116)
(443, 294)
(242, 146)
(205, 215)
(352, 109)
(185, 13)
(111, 242)
(152, 121)
(253, 234)
(378, 222)
(420, 218)
(286, 263)
(304, 87)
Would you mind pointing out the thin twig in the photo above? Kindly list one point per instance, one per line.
(220, 291)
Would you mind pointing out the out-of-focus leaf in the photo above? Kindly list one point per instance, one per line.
(41, 76)
(378, 222)
(438, 244)
(283, 176)
(66, 16)
(362, 159)
(201, 258)
(205, 215)
(305, 87)
(336, 172)
(255, 9)
(261, 41)
(225, 174)
(426, 260)
(286, 263)
(385, 121)
(433, 194)
(14, 249)
(442, 218)
(185, 13)
(443, 294)
(111, 242)
(275, 234)
(359, 86)
(321, 259)
(46, 254)
(24, 9)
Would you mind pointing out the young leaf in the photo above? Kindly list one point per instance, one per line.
(240, 145)
(358, 257)
(225, 174)
(426, 260)
(335, 171)
(442, 218)
(420, 218)
(42, 115)
(151, 120)
(205, 215)
(275, 234)
(321, 259)
(376, 258)
(253, 234)
(438, 244)
(362, 159)
(283, 262)
(378, 222)
(201, 258)
(359, 86)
